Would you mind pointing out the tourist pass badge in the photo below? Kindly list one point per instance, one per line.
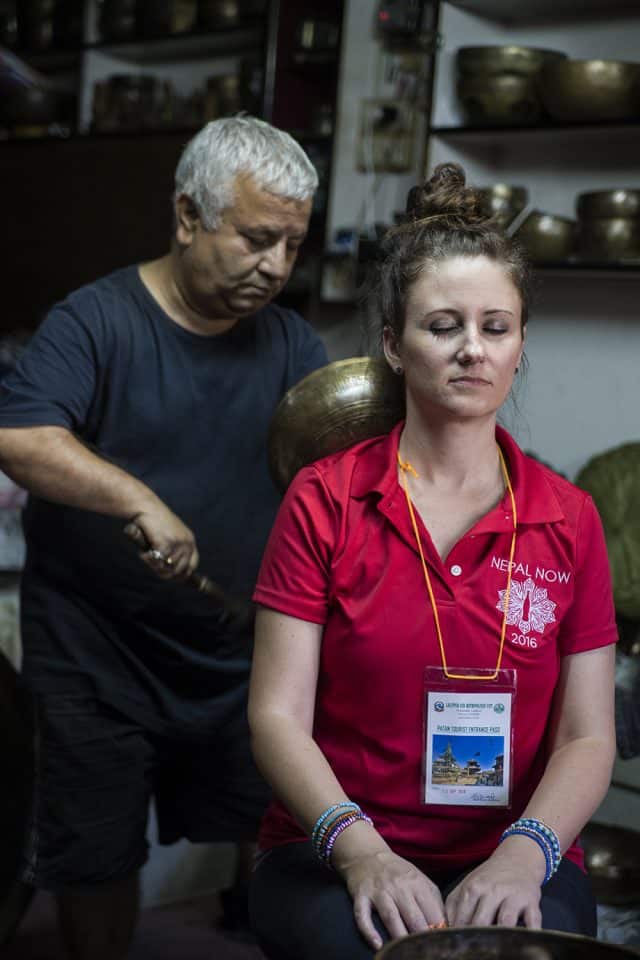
(467, 747)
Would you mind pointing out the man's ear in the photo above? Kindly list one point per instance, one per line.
(187, 219)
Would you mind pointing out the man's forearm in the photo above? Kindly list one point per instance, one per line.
(51, 463)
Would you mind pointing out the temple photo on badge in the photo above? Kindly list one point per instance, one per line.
(469, 761)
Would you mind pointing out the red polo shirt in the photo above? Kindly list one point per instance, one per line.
(343, 553)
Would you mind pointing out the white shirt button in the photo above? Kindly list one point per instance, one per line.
(456, 570)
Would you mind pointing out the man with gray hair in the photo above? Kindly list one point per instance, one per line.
(143, 402)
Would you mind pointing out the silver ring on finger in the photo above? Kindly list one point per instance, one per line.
(157, 555)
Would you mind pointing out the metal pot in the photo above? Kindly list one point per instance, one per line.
(612, 858)
(547, 237)
(502, 202)
(491, 60)
(501, 943)
(590, 90)
(609, 238)
(608, 203)
(503, 99)
(331, 409)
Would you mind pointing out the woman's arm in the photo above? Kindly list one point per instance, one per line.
(582, 750)
(282, 698)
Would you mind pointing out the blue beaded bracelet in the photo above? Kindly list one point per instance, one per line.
(544, 836)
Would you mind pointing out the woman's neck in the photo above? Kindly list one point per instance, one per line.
(455, 456)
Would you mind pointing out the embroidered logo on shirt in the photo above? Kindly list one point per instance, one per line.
(529, 606)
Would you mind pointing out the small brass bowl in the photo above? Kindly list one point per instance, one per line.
(608, 203)
(507, 99)
(609, 238)
(547, 237)
(590, 90)
(331, 409)
(502, 202)
(612, 859)
(491, 60)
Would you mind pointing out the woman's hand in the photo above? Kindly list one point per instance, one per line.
(504, 890)
(405, 899)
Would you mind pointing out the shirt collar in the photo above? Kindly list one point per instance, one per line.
(535, 496)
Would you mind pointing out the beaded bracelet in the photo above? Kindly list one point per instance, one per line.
(325, 820)
(337, 830)
(544, 836)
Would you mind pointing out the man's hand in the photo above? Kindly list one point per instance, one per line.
(171, 547)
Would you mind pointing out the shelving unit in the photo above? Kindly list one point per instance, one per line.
(107, 190)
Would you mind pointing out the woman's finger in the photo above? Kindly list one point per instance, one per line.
(364, 922)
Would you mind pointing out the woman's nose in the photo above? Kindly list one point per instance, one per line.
(471, 350)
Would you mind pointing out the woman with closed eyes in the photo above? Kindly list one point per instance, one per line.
(432, 687)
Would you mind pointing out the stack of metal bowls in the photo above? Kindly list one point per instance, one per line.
(609, 225)
(547, 237)
(586, 90)
(497, 84)
(502, 202)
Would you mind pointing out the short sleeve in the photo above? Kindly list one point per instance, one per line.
(590, 622)
(309, 350)
(54, 381)
(295, 574)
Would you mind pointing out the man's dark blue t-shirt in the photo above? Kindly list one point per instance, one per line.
(186, 414)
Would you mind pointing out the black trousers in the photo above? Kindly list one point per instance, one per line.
(301, 911)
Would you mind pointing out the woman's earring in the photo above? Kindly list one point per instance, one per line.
(516, 369)
(398, 370)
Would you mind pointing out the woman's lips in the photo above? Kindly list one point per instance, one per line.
(471, 381)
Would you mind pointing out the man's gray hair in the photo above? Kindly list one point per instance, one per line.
(230, 146)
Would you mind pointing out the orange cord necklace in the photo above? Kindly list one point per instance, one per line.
(406, 467)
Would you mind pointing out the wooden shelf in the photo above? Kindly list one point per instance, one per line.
(549, 127)
(629, 269)
(225, 41)
(531, 11)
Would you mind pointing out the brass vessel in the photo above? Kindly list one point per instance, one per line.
(491, 60)
(619, 202)
(547, 237)
(609, 238)
(502, 99)
(612, 858)
(590, 90)
(502, 202)
(501, 943)
(331, 409)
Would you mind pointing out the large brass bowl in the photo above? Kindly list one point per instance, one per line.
(330, 410)
(501, 943)
(609, 238)
(502, 201)
(547, 237)
(612, 858)
(489, 60)
(620, 202)
(590, 90)
(506, 99)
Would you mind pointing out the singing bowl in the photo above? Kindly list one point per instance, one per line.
(612, 859)
(546, 236)
(609, 238)
(502, 202)
(507, 99)
(490, 60)
(331, 409)
(608, 203)
(590, 90)
(500, 943)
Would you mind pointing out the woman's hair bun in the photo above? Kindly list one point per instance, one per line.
(445, 195)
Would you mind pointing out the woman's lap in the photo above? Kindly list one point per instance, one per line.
(302, 911)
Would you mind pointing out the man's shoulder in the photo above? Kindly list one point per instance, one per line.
(118, 284)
